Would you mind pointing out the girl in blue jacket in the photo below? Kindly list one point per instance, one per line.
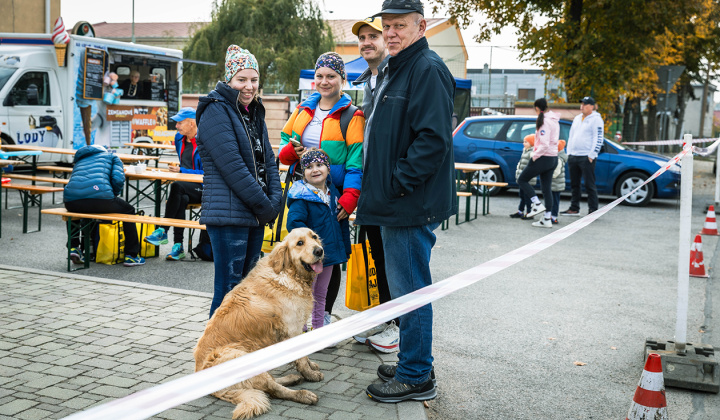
(313, 203)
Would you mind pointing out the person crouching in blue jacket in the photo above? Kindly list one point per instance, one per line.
(96, 181)
(313, 204)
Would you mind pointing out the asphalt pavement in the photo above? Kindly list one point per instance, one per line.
(559, 335)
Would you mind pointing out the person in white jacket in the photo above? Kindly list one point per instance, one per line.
(586, 140)
(543, 162)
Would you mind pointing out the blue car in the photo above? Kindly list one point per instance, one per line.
(498, 139)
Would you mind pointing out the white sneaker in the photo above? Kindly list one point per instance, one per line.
(543, 223)
(536, 209)
(387, 341)
(363, 336)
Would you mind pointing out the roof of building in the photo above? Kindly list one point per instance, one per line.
(342, 29)
(147, 29)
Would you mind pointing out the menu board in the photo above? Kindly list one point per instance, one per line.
(172, 102)
(157, 91)
(93, 73)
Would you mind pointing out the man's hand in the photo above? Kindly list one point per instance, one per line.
(590, 159)
(299, 150)
(174, 168)
(342, 214)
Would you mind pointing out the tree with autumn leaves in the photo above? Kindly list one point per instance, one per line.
(610, 48)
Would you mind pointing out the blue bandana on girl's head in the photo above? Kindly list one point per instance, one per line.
(333, 61)
(314, 156)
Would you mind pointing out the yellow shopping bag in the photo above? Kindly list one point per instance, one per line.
(279, 229)
(361, 288)
(145, 229)
(111, 243)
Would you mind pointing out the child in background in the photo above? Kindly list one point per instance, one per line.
(313, 203)
(524, 206)
(558, 181)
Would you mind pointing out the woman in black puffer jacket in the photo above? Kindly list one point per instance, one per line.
(242, 190)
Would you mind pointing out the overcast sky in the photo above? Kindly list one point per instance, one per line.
(503, 53)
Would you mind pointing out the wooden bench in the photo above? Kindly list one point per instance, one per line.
(38, 178)
(68, 216)
(35, 178)
(56, 169)
(31, 195)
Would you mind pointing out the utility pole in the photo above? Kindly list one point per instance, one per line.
(703, 103)
(490, 77)
(132, 39)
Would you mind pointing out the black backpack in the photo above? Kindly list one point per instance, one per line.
(203, 250)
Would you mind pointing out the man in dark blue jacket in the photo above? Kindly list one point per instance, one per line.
(181, 193)
(408, 188)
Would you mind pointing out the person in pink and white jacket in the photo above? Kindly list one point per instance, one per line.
(543, 163)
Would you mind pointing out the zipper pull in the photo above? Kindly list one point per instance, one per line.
(384, 97)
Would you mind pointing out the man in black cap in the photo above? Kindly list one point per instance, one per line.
(586, 140)
(409, 189)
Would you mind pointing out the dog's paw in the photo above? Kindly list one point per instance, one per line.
(313, 375)
(313, 365)
(307, 397)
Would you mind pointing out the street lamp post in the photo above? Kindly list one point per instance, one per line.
(133, 22)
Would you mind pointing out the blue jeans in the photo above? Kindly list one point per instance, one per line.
(236, 249)
(407, 263)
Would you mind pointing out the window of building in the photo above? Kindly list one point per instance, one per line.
(526, 95)
(33, 88)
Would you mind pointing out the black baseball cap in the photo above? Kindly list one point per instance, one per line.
(588, 100)
(401, 7)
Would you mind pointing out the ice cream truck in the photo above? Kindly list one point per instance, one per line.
(46, 88)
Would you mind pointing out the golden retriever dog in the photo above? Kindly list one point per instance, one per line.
(270, 305)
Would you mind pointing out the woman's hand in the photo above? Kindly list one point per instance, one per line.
(342, 214)
(299, 149)
(174, 168)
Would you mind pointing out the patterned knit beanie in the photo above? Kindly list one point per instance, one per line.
(237, 59)
(333, 61)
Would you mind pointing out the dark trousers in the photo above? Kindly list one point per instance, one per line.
(544, 166)
(115, 205)
(581, 167)
(333, 288)
(181, 194)
(525, 203)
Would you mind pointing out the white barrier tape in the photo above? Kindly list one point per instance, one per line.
(706, 151)
(154, 400)
(666, 142)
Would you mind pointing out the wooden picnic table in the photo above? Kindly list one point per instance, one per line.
(150, 149)
(474, 167)
(157, 178)
(150, 146)
(62, 151)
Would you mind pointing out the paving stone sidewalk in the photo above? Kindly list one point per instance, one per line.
(70, 342)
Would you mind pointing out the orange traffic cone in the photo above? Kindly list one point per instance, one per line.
(710, 227)
(697, 265)
(649, 401)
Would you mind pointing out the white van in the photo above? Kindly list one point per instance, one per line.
(39, 91)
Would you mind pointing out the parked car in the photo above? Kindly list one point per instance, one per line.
(498, 139)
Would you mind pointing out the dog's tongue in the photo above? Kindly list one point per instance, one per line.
(317, 267)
